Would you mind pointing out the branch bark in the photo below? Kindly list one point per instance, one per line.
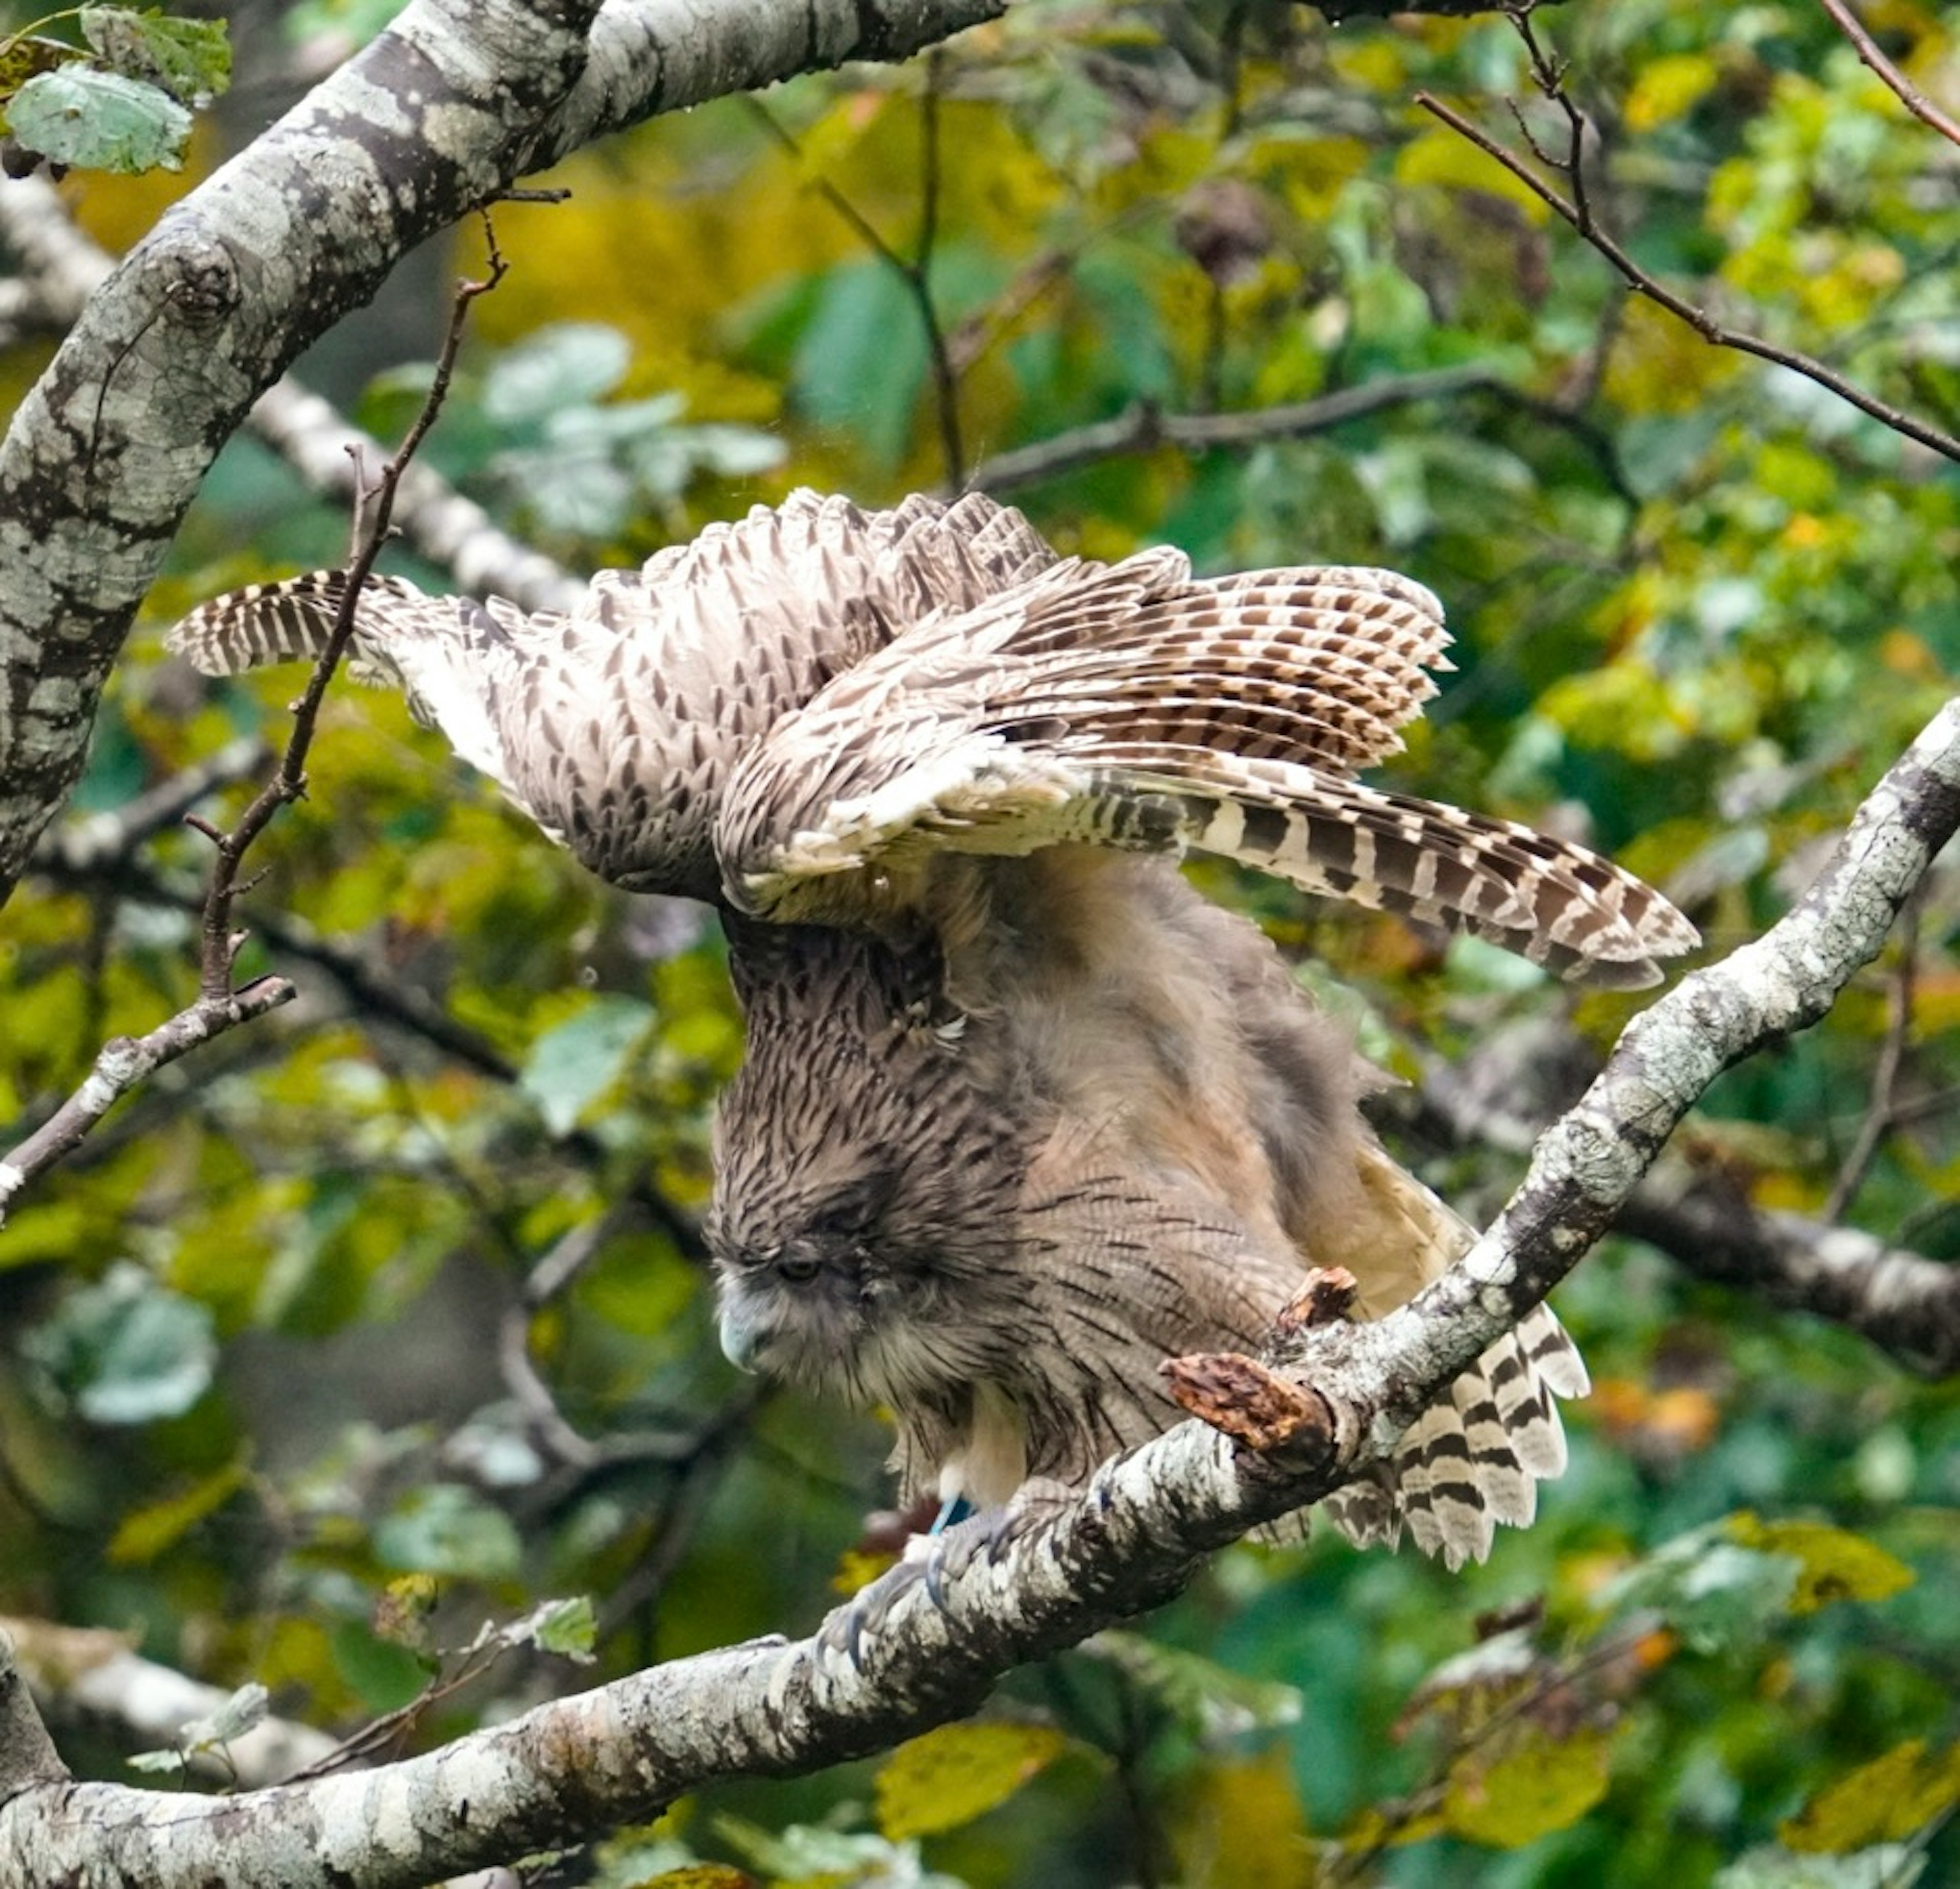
(447, 108)
(927, 1641)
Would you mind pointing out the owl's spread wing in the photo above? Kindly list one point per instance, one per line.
(615, 725)
(1131, 706)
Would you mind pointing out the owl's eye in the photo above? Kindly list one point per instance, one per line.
(798, 1272)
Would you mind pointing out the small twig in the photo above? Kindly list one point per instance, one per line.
(1883, 1115)
(1908, 94)
(122, 1063)
(1144, 427)
(1717, 333)
(288, 784)
(913, 271)
(1548, 72)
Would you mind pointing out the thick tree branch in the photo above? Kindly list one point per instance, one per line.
(1904, 1302)
(91, 1673)
(927, 1641)
(447, 108)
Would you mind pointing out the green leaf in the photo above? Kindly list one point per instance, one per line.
(232, 1719)
(128, 1350)
(1836, 1564)
(444, 1529)
(569, 1628)
(1891, 1797)
(861, 362)
(955, 1773)
(570, 365)
(99, 121)
(803, 1853)
(190, 59)
(145, 1533)
(1717, 1595)
(570, 1066)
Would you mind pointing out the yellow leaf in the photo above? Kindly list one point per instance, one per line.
(699, 1876)
(1668, 87)
(859, 1567)
(147, 1531)
(954, 1774)
(1242, 1827)
(1883, 1801)
(1540, 1785)
(1443, 157)
(1836, 1564)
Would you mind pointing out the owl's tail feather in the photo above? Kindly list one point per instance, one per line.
(1475, 1457)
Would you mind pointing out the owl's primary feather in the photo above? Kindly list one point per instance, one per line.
(1022, 1113)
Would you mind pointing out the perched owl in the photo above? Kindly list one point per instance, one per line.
(1022, 1113)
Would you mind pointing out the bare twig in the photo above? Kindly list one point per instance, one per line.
(1143, 427)
(1717, 333)
(1908, 94)
(913, 272)
(288, 782)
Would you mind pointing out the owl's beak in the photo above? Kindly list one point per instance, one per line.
(741, 1337)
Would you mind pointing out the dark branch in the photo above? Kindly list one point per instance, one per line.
(1908, 94)
(1717, 333)
(1144, 428)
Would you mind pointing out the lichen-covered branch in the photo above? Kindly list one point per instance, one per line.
(124, 1063)
(927, 1641)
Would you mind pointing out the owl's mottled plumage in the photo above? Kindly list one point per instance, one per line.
(1022, 1113)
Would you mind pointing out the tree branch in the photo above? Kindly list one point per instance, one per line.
(926, 1642)
(1908, 94)
(1717, 333)
(1143, 428)
(65, 267)
(1906, 1304)
(125, 1062)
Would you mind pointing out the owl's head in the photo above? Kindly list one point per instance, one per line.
(865, 1182)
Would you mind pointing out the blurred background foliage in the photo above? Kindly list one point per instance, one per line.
(387, 1315)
